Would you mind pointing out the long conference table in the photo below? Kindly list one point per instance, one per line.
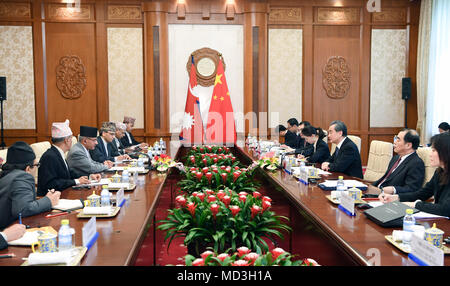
(352, 240)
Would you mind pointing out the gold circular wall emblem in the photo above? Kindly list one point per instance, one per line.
(206, 61)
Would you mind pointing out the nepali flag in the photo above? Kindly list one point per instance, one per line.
(192, 125)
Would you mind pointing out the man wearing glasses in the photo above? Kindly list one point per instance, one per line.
(104, 151)
(406, 171)
(54, 172)
(79, 158)
(17, 186)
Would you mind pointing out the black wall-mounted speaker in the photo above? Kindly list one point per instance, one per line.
(406, 88)
(2, 88)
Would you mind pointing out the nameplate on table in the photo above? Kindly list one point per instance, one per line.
(89, 232)
(120, 197)
(347, 204)
(424, 253)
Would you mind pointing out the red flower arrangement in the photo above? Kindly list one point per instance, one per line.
(245, 257)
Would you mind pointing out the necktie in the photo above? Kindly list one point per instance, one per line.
(336, 152)
(390, 171)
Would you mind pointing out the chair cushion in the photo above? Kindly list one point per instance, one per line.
(380, 154)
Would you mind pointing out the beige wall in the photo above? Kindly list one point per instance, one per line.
(16, 63)
(388, 67)
(125, 74)
(285, 75)
(185, 39)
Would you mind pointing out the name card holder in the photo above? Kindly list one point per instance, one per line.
(424, 253)
(347, 205)
(90, 233)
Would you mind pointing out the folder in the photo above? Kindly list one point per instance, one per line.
(389, 215)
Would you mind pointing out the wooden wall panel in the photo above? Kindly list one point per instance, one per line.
(329, 42)
(329, 29)
(71, 39)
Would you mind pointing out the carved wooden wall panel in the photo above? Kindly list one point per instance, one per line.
(336, 78)
(70, 77)
(338, 15)
(71, 73)
(390, 15)
(15, 10)
(122, 12)
(62, 12)
(285, 16)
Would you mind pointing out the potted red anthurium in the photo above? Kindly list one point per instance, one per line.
(218, 177)
(246, 257)
(223, 219)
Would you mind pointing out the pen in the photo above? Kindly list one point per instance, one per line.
(20, 218)
(8, 255)
(50, 215)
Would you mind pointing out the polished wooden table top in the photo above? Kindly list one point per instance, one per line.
(119, 237)
(361, 236)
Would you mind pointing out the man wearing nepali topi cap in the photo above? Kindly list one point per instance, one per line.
(128, 140)
(117, 145)
(79, 159)
(54, 172)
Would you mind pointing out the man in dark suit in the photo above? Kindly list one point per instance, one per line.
(117, 145)
(104, 151)
(17, 186)
(346, 158)
(54, 173)
(406, 171)
(128, 140)
(291, 139)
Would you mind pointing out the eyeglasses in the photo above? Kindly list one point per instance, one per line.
(396, 138)
(37, 165)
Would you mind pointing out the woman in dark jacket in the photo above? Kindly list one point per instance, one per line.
(320, 151)
(438, 186)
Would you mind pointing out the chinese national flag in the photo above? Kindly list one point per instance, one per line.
(192, 128)
(220, 128)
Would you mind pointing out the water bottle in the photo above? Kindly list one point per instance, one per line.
(408, 222)
(135, 176)
(65, 235)
(150, 154)
(105, 198)
(340, 186)
(140, 162)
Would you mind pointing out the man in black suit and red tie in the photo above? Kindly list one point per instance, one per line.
(346, 158)
(406, 171)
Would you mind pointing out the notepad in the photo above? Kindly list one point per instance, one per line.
(331, 185)
(97, 210)
(31, 236)
(130, 169)
(424, 215)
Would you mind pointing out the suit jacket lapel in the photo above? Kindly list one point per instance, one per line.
(102, 146)
(61, 161)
